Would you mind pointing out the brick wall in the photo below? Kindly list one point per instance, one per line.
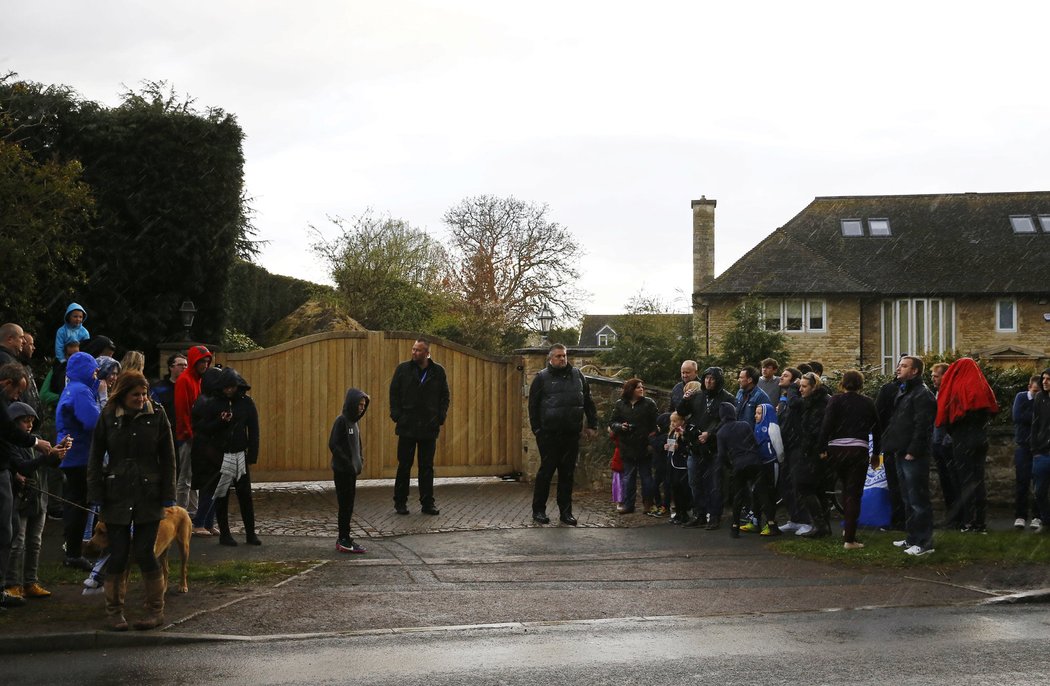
(975, 325)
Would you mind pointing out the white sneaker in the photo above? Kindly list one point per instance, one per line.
(1019, 523)
(917, 550)
(1036, 523)
(901, 543)
(803, 529)
(790, 526)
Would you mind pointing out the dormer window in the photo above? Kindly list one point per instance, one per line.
(876, 227)
(852, 227)
(1022, 223)
(879, 227)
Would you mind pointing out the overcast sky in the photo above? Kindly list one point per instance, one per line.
(616, 115)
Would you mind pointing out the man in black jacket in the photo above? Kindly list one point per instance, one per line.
(559, 400)
(419, 399)
(1039, 440)
(908, 437)
(704, 469)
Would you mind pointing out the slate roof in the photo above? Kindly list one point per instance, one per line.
(955, 244)
(593, 323)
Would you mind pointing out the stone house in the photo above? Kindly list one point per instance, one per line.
(860, 280)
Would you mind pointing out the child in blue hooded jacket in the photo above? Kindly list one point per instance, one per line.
(738, 448)
(76, 415)
(72, 329)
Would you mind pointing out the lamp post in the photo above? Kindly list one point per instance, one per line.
(187, 311)
(546, 318)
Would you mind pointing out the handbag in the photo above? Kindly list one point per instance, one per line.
(876, 509)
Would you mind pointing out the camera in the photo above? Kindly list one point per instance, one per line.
(691, 434)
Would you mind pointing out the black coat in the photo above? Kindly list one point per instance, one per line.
(213, 436)
(140, 475)
(642, 420)
(419, 399)
(910, 426)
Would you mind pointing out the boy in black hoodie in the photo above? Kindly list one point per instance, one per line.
(347, 461)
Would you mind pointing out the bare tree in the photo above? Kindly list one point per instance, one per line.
(507, 260)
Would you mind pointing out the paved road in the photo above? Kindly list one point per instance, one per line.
(901, 646)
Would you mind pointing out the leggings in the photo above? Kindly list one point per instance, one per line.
(122, 543)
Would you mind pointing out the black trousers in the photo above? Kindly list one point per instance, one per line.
(122, 544)
(74, 518)
(757, 482)
(558, 453)
(969, 450)
(345, 493)
(849, 464)
(407, 449)
(243, 487)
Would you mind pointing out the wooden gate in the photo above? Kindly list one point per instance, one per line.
(299, 389)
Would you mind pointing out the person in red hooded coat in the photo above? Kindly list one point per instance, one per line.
(965, 403)
(187, 388)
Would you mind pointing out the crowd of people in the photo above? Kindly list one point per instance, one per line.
(126, 451)
(778, 450)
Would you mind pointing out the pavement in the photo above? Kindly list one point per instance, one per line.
(483, 562)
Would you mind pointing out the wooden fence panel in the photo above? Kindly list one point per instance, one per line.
(299, 389)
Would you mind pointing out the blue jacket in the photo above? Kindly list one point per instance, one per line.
(745, 407)
(78, 409)
(1022, 414)
(68, 333)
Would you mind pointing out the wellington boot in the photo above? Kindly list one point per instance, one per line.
(155, 584)
(115, 589)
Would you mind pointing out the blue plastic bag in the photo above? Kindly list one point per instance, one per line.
(876, 509)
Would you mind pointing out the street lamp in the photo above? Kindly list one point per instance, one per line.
(188, 311)
(546, 318)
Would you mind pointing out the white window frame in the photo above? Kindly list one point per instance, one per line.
(998, 315)
(603, 340)
(780, 312)
(885, 220)
(1044, 221)
(851, 222)
(935, 339)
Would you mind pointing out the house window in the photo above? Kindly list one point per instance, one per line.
(603, 340)
(1044, 221)
(879, 227)
(1006, 315)
(795, 315)
(852, 227)
(916, 326)
(1022, 223)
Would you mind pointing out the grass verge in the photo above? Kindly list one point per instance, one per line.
(224, 573)
(951, 549)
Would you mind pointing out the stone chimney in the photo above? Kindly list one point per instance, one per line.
(703, 242)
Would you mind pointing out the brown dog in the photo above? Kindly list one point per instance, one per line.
(176, 527)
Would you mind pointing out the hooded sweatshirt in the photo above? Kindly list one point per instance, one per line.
(78, 409)
(736, 440)
(345, 440)
(767, 435)
(187, 388)
(67, 332)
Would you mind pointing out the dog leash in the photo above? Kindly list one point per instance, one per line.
(59, 498)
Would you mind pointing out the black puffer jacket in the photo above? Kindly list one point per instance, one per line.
(419, 399)
(214, 435)
(559, 400)
(140, 475)
(813, 409)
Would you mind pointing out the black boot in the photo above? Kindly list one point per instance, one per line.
(222, 518)
(244, 500)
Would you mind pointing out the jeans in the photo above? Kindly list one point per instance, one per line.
(914, 478)
(640, 466)
(558, 452)
(754, 483)
(25, 548)
(1022, 480)
(184, 495)
(705, 485)
(407, 448)
(948, 476)
(1041, 476)
(889, 460)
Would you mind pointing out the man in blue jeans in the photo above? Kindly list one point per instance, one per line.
(1040, 442)
(908, 438)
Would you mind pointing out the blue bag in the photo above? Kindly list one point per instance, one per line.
(876, 509)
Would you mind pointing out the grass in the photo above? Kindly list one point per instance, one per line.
(952, 549)
(225, 573)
